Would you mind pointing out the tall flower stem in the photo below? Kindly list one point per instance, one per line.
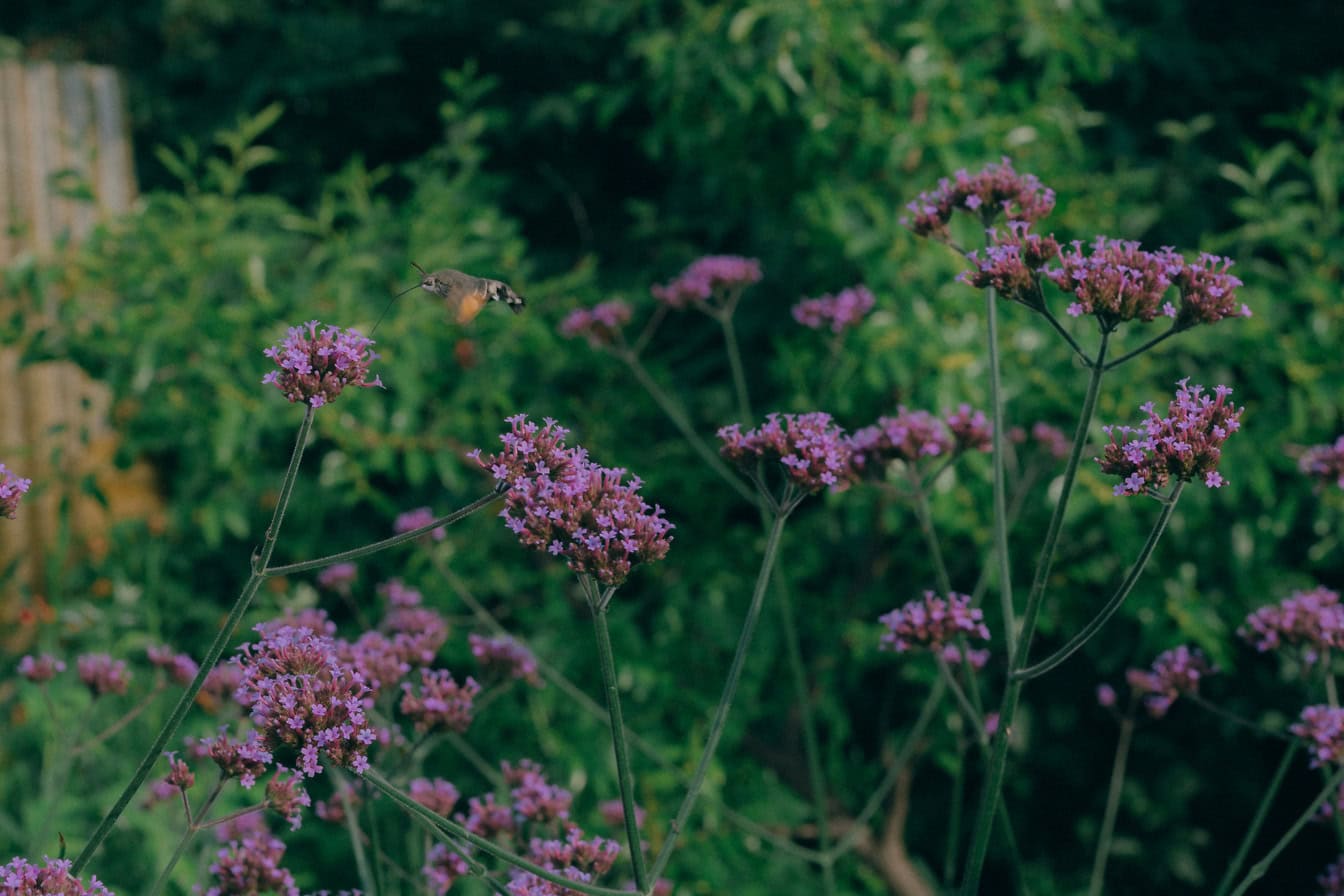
(1085, 634)
(1107, 834)
(993, 784)
(1258, 870)
(729, 689)
(725, 319)
(1253, 830)
(212, 655)
(811, 744)
(193, 828)
(1000, 497)
(606, 658)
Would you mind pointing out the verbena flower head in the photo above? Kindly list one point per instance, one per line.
(1117, 280)
(378, 659)
(12, 488)
(102, 674)
(712, 280)
(504, 657)
(993, 189)
(814, 452)
(313, 367)
(838, 312)
(180, 667)
(1106, 696)
(601, 324)
(417, 632)
(971, 429)
(442, 868)
(486, 818)
(415, 519)
(1185, 445)
(1311, 619)
(613, 813)
(251, 866)
(1174, 672)
(438, 796)
(38, 669)
(302, 697)
(1208, 292)
(1322, 727)
(1052, 439)
(932, 622)
(1331, 881)
(243, 759)
(560, 502)
(286, 797)
(20, 877)
(909, 436)
(1324, 463)
(338, 577)
(439, 702)
(179, 774)
(591, 857)
(534, 798)
(1013, 264)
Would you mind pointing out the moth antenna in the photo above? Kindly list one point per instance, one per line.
(422, 271)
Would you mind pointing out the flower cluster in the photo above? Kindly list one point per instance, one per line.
(440, 702)
(560, 502)
(251, 865)
(1174, 672)
(179, 774)
(314, 367)
(913, 435)
(814, 451)
(1012, 263)
(971, 429)
(1331, 881)
(442, 868)
(303, 697)
(1322, 727)
(438, 796)
(338, 577)
(600, 325)
(839, 312)
(286, 797)
(102, 674)
(415, 519)
(1313, 619)
(933, 622)
(242, 759)
(534, 798)
(1117, 281)
(1052, 439)
(1185, 444)
(180, 667)
(20, 877)
(1207, 292)
(39, 669)
(711, 277)
(1324, 462)
(505, 657)
(12, 488)
(995, 187)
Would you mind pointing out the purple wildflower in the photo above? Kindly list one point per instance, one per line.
(932, 622)
(839, 312)
(971, 428)
(440, 702)
(377, 658)
(1185, 445)
(180, 667)
(505, 657)
(314, 367)
(953, 654)
(417, 632)
(313, 618)
(1322, 726)
(613, 813)
(438, 796)
(220, 683)
(1313, 619)
(20, 877)
(286, 797)
(242, 759)
(534, 798)
(1324, 462)
(814, 451)
(1331, 881)
(338, 577)
(333, 810)
(303, 697)
(713, 279)
(251, 866)
(1012, 263)
(12, 488)
(995, 188)
(240, 827)
(600, 325)
(415, 519)
(486, 818)
(592, 857)
(442, 868)
(1175, 672)
(102, 674)
(39, 669)
(1052, 439)
(909, 436)
(1117, 281)
(1106, 695)
(179, 774)
(400, 595)
(1207, 292)
(530, 451)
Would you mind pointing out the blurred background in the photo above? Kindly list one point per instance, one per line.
(182, 180)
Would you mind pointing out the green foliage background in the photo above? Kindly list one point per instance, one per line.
(294, 159)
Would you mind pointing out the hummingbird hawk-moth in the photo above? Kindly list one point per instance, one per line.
(467, 295)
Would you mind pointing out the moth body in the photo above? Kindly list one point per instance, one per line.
(467, 295)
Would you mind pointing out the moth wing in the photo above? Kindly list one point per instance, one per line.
(470, 305)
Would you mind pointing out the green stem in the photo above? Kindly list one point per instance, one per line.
(1073, 343)
(1143, 348)
(1261, 812)
(624, 776)
(1258, 870)
(729, 690)
(346, 792)
(954, 817)
(187, 836)
(811, 745)
(683, 425)
(356, 553)
(452, 831)
(925, 516)
(725, 320)
(1000, 498)
(1233, 718)
(993, 785)
(1107, 834)
(1085, 634)
(211, 656)
(120, 723)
